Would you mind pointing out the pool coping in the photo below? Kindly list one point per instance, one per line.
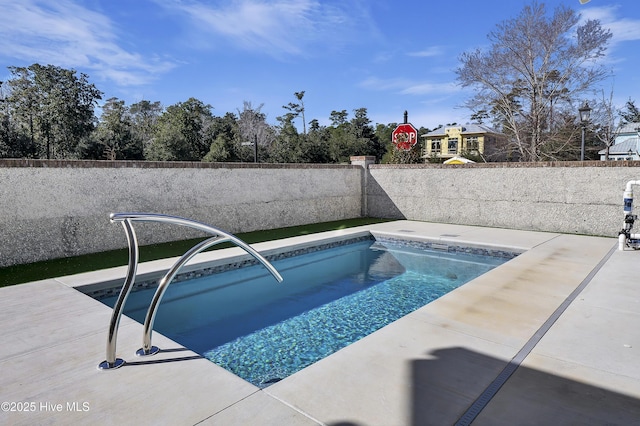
(55, 334)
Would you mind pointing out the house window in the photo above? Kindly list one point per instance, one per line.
(472, 144)
(453, 145)
(435, 145)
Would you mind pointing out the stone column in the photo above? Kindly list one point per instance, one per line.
(363, 161)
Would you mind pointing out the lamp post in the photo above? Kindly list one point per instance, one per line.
(255, 148)
(585, 113)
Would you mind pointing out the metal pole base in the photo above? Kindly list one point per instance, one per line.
(105, 365)
(154, 350)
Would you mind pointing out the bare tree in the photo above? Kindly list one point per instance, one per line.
(252, 124)
(533, 68)
(604, 126)
(144, 118)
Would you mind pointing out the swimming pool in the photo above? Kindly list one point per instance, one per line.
(263, 332)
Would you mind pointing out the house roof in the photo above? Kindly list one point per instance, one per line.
(623, 147)
(629, 128)
(467, 128)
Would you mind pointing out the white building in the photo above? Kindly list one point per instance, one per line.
(626, 145)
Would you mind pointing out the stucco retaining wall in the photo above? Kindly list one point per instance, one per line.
(567, 197)
(53, 209)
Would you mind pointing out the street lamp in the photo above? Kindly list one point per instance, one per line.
(585, 113)
(255, 147)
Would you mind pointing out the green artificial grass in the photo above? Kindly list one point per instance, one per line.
(18, 274)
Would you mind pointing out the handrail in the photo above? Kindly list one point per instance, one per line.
(112, 362)
(127, 218)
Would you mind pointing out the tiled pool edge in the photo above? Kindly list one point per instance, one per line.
(436, 245)
(288, 251)
(222, 266)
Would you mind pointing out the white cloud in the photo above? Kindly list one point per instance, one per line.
(622, 29)
(66, 34)
(408, 87)
(376, 83)
(382, 57)
(275, 27)
(430, 88)
(428, 52)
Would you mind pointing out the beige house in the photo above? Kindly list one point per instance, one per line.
(462, 140)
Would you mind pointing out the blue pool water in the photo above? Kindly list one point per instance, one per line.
(262, 331)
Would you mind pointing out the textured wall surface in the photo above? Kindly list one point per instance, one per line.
(53, 209)
(57, 209)
(555, 197)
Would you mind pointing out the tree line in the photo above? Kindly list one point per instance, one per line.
(49, 112)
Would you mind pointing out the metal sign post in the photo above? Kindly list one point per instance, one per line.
(404, 136)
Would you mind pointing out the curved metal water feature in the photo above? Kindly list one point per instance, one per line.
(127, 220)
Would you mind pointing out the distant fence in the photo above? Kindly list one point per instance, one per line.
(53, 209)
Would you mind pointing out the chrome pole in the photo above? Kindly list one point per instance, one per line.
(127, 219)
(112, 361)
(147, 348)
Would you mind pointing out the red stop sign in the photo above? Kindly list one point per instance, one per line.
(404, 136)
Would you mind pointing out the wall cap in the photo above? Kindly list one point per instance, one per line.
(511, 165)
(80, 164)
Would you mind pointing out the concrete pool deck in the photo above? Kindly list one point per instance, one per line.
(433, 366)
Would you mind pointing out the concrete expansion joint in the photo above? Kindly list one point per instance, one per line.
(228, 406)
(487, 395)
(282, 401)
(547, 241)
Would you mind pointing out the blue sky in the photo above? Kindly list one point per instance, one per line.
(384, 55)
